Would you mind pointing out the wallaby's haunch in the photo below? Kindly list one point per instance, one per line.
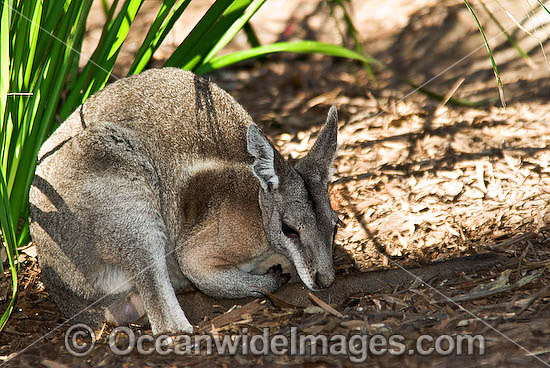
(161, 181)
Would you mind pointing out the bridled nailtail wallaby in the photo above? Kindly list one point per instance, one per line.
(161, 181)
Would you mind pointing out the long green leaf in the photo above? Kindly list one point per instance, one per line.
(76, 42)
(32, 113)
(98, 69)
(4, 61)
(4, 88)
(10, 245)
(214, 34)
(299, 47)
(308, 47)
(182, 54)
(113, 42)
(53, 80)
(162, 24)
(251, 35)
(234, 29)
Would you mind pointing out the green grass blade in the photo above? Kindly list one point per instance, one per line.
(76, 43)
(495, 68)
(352, 30)
(48, 89)
(5, 123)
(152, 34)
(237, 25)
(98, 69)
(309, 47)
(182, 53)
(105, 7)
(6, 223)
(251, 35)
(33, 108)
(511, 40)
(109, 14)
(4, 61)
(157, 33)
(300, 47)
(214, 34)
(24, 237)
(23, 47)
(32, 41)
(10, 245)
(24, 43)
(113, 42)
(50, 23)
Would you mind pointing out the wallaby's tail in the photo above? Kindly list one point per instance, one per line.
(197, 305)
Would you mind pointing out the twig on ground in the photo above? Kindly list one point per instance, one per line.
(509, 242)
(325, 306)
(523, 254)
(490, 292)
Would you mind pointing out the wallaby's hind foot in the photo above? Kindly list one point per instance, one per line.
(159, 299)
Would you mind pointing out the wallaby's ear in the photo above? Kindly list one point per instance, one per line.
(264, 163)
(323, 151)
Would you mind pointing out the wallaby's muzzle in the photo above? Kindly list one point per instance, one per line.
(323, 280)
(314, 267)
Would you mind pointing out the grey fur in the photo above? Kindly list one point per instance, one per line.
(162, 181)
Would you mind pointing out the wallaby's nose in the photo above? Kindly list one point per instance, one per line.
(323, 280)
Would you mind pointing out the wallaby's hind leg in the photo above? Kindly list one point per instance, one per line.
(107, 227)
(135, 234)
(152, 282)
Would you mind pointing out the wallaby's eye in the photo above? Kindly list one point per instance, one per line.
(290, 232)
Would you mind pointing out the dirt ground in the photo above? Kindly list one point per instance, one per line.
(415, 182)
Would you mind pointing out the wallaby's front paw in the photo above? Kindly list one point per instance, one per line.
(269, 282)
(277, 272)
(276, 278)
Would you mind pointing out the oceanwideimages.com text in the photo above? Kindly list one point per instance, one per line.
(80, 341)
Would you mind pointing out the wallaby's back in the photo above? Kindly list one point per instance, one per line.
(185, 112)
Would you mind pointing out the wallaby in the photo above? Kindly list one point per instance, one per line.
(161, 181)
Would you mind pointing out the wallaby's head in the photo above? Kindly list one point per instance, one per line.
(298, 219)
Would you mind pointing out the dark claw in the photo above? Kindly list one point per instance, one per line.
(275, 269)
